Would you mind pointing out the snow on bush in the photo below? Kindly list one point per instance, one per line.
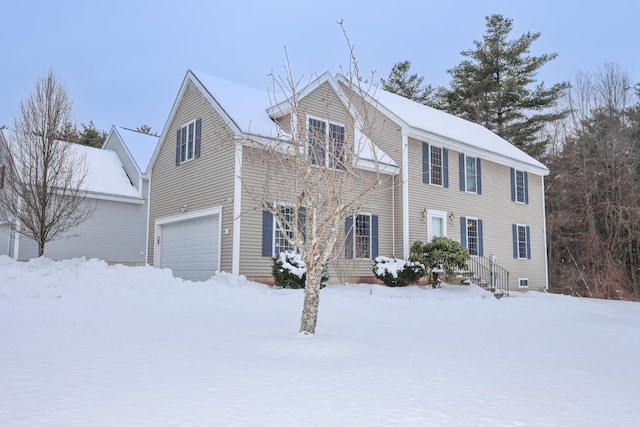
(290, 271)
(397, 272)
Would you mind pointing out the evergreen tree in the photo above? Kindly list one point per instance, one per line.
(497, 87)
(408, 85)
(91, 136)
(146, 129)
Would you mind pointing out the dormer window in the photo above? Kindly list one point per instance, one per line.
(326, 143)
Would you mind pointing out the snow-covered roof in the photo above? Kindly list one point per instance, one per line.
(105, 174)
(105, 177)
(423, 119)
(244, 105)
(140, 145)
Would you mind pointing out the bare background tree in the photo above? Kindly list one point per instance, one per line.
(593, 192)
(42, 196)
(312, 183)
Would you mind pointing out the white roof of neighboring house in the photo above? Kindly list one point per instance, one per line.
(439, 123)
(105, 174)
(244, 105)
(140, 145)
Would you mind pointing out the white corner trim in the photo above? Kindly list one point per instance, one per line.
(405, 196)
(237, 210)
(544, 232)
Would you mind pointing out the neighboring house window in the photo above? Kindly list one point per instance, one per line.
(470, 174)
(2, 174)
(326, 148)
(521, 241)
(188, 140)
(471, 235)
(523, 283)
(519, 186)
(435, 165)
(276, 239)
(436, 224)
(361, 233)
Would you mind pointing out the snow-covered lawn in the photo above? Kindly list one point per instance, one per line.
(84, 344)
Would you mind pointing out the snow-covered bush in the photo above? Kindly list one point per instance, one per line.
(289, 271)
(397, 272)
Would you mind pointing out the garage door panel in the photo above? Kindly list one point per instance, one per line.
(191, 248)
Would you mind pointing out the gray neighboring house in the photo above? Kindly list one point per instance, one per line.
(448, 177)
(117, 191)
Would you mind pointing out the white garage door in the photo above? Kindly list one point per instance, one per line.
(191, 248)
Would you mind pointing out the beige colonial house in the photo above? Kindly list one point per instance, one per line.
(446, 177)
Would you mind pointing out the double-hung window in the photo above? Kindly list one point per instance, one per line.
(361, 232)
(435, 165)
(470, 174)
(278, 235)
(521, 241)
(283, 233)
(188, 141)
(326, 143)
(471, 235)
(519, 186)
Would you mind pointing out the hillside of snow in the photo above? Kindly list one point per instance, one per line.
(86, 344)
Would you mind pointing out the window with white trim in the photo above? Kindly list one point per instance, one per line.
(187, 141)
(436, 165)
(523, 283)
(471, 174)
(362, 241)
(326, 143)
(520, 186)
(283, 235)
(521, 233)
(472, 236)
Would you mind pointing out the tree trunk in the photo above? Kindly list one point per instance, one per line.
(311, 300)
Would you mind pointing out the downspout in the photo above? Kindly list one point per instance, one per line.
(405, 196)
(237, 209)
(148, 200)
(544, 228)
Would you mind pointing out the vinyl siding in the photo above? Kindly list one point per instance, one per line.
(322, 103)
(115, 232)
(201, 183)
(255, 265)
(5, 240)
(493, 206)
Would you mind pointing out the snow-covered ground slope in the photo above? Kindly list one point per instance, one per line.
(84, 344)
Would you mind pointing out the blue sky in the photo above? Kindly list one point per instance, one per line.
(123, 61)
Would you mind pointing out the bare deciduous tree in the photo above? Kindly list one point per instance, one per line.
(312, 180)
(593, 195)
(43, 196)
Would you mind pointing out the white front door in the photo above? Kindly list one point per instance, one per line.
(436, 224)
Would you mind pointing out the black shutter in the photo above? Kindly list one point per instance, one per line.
(267, 233)
(179, 133)
(198, 138)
